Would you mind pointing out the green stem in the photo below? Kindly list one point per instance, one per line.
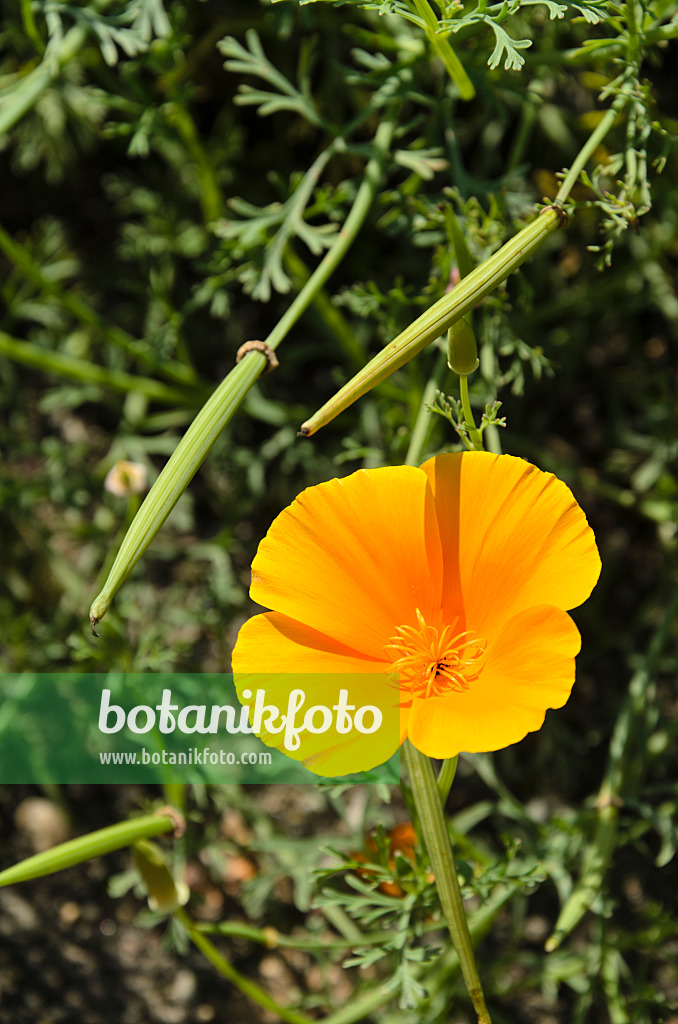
(599, 853)
(440, 44)
(331, 316)
(175, 795)
(422, 425)
(633, 47)
(272, 938)
(28, 90)
(226, 968)
(31, 27)
(448, 770)
(211, 197)
(589, 148)
(344, 924)
(473, 432)
(436, 837)
(84, 372)
(174, 371)
(346, 236)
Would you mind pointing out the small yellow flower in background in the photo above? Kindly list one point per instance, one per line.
(126, 478)
(457, 576)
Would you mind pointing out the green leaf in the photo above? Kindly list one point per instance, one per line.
(507, 46)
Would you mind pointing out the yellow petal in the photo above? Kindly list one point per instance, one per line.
(279, 655)
(512, 536)
(354, 558)
(529, 668)
(274, 643)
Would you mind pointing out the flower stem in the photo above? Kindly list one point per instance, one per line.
(30, 27)
(440, 44)
(448, 770)
(226, 968)
(432, 821)
(274, 939)
(362, 204)
(589, 148)
(423, 421)
(473, 432)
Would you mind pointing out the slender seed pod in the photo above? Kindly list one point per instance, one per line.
(441, 316)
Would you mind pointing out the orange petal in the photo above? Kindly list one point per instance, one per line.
(354, 558)
(279, 655)
(529, 668)
(512, 536)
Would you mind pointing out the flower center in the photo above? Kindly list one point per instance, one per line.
(434, 661)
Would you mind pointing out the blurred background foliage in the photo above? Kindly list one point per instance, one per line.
(158, 211)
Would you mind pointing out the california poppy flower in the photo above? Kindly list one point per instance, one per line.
(402, 839)
(456, 576)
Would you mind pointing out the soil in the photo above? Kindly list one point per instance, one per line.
(70, 954)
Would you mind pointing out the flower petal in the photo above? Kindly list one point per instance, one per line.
(512, 536)
(529, 668)
(354, 558)
(279, 655)
(274, 643)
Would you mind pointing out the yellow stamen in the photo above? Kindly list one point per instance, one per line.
(434, 661)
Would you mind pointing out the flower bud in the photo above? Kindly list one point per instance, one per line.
(462, 350)
(165, 895)
(126, 478)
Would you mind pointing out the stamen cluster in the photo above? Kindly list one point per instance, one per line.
(434, 661)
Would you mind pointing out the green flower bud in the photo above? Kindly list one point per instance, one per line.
(462, 350)
(165, 895)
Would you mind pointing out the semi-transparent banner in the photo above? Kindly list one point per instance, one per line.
(194, 727)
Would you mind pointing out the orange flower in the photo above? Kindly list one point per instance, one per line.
(403, 839)
(457, 576)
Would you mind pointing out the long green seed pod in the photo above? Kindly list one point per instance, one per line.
(177, 474)
(224, 402)
(441, 316)
(75, 851)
